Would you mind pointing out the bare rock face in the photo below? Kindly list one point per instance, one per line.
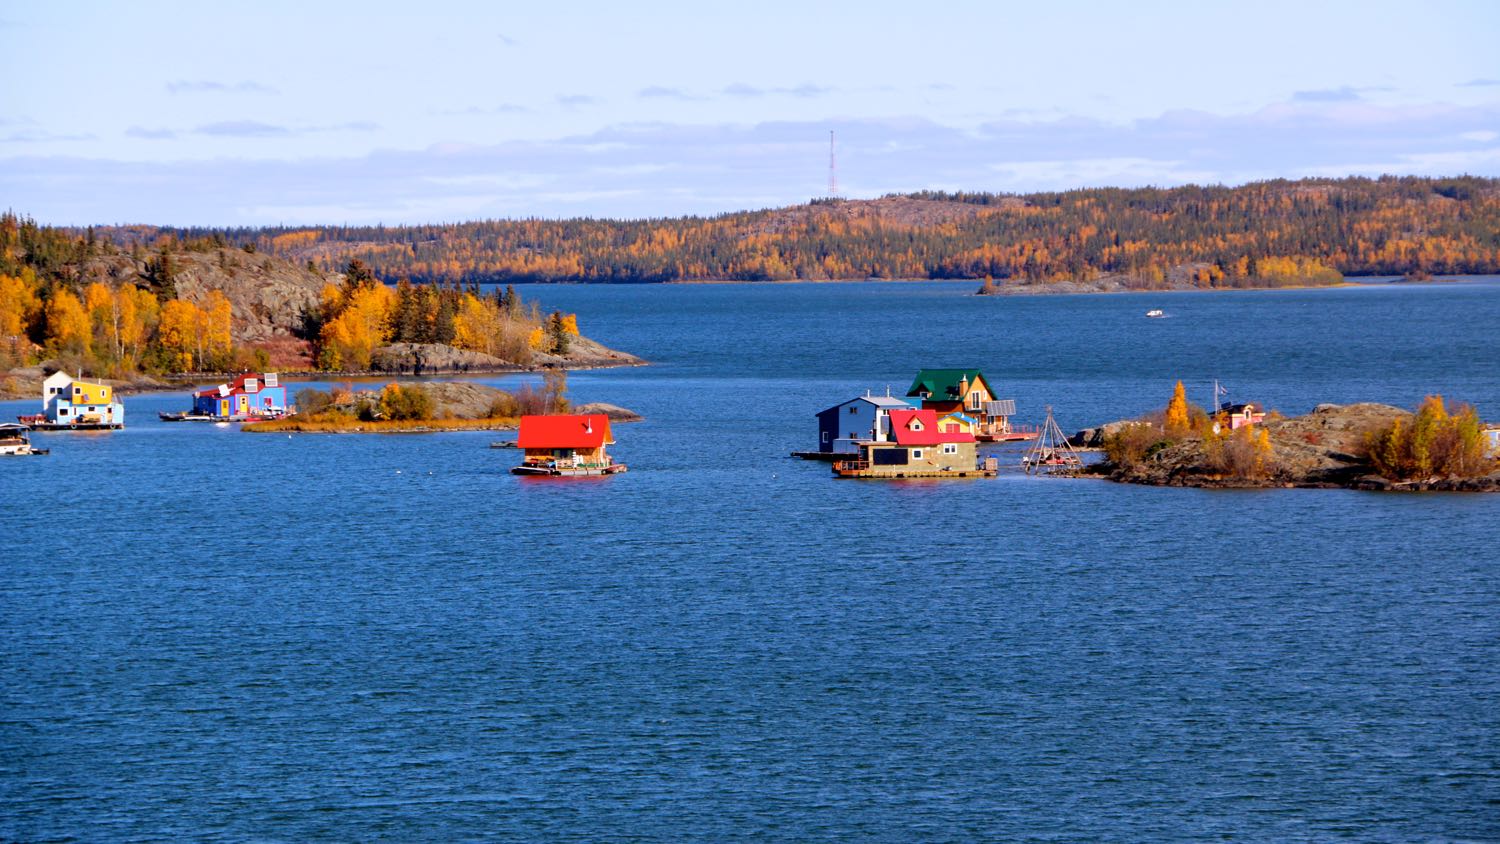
(423, 358)
(614, 412)
(267, 296)
(583, 352)
(461, 400)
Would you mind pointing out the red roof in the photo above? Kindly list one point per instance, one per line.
(920, 427)
(237, 386)
(589, 431)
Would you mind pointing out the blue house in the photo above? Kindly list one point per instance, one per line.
(249, 395)
(842, 427)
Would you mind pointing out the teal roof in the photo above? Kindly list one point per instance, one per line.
(942, 384)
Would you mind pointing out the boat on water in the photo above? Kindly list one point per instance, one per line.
(566, 446)
(72, 404)
(1156, 313)
(15, 440)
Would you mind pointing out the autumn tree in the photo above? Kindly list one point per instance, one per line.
(68, 328)
(176, 335)
(1177, 421)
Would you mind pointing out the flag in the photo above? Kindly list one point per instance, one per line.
(1220, 390)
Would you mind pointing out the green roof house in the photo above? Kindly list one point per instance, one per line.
(949, 390)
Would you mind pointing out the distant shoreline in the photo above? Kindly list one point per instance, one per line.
(1072, 288)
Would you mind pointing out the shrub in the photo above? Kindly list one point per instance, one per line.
(1244, 453)
(1434, 443)
(1132, 444)
(405, 402)
(311, 401)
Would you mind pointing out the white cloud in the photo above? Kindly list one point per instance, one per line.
(652, 169)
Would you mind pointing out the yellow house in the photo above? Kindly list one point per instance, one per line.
(958, 423)
(84, 392)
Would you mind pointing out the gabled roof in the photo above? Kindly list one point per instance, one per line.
(942, 384)
(920, 427)
(571, 431)
(237, 386)
(888, 402)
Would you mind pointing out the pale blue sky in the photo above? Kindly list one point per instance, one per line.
(310, 112)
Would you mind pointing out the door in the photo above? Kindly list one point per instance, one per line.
(223, 407)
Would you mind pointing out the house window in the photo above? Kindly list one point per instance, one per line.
(853, 409)
(916, 454)
(62, 411)
(825, 436)
(915, 425)
(950, 448)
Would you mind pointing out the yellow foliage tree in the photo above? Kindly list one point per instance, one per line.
(476, 326)
(176, 335)
(139, 313)
(19, 305)
(213, 330)
(360, 324)
(1176, 421)
(68, 326)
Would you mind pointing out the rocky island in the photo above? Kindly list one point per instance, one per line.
(1358, 446)
(412, 407)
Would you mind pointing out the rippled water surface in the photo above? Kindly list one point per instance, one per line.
(209, 635)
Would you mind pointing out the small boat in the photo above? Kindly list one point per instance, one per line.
(184, 416)
(1156, 313)
(15, 440)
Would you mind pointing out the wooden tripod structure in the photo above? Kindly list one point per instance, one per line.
(1051, 453)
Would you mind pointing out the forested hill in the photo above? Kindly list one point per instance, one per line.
(1266, 233)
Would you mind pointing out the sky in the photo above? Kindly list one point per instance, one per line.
(293, 113)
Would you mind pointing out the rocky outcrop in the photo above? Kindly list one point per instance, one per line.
(1323, 449)
(431, 358)
(268, 296)
(435, 358)
(614, 412)
(1094, 437)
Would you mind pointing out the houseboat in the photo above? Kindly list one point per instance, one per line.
(967, 394)
(844, 426)
(15, 441)
(566, 445)
(918, 448)
(251, 397)
(72, 404)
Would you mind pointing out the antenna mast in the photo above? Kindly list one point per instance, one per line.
(833, 173)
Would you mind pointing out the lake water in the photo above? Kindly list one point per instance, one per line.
(209, 635)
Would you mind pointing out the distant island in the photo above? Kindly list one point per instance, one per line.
(152, 316)
(1264, 234)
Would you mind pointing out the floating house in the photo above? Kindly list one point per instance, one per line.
(968, 393)
(843, 427)
(75, 404)
(1236, 416)
(566, 445)
(249, 396)
(917, 448)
